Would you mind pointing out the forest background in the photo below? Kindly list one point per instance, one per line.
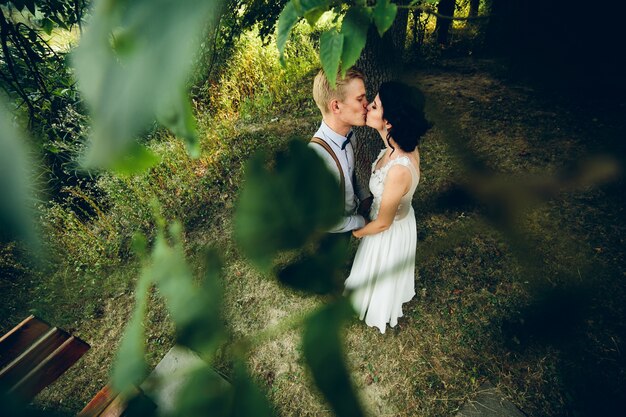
(520, 255)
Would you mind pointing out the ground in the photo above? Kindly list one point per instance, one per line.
(528, 296)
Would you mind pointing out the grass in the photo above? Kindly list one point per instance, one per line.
(477, 315)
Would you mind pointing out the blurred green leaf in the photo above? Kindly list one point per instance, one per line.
(137, 159)
(322, 347)
(17, 202)
(248, 398)
(130, 367)
(321, 272)
(281, 208)
(178, 117)
(354, 29)
(194, 309)
(286, 21)
(128, 83)
(204, 394)
(331, 47)
(384, 15)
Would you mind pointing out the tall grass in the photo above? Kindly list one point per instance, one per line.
(254, 84)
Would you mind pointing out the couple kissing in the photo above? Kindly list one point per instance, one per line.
(382, 277)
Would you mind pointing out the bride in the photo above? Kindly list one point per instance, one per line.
(383, 273)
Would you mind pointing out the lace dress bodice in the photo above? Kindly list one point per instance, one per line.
(377, 185)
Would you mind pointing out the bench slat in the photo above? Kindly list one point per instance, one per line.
(98, 403)
(49, 369)
(37, 352)
(20, 337)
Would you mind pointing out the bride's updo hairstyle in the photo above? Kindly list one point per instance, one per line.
(403, 108)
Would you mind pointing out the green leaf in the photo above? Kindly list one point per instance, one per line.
(31, 5)
(248, 398)
(384, 15)
(127, 83)
(314, 9)
(178, 117)
(322, 348)
(286, 21)
(130, 367)
(322, 272)
(17, 203)
(47, 25)
(354, 29)
(283, 207)
(205, 393)
(137, 159)
(331, 47)
(194, 309)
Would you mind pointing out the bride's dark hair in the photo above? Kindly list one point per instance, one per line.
(403, 107)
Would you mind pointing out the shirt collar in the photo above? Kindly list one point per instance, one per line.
(330, 134)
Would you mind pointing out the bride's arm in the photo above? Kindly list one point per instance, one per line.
(397, 184)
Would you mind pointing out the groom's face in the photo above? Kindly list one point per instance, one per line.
(353, 109)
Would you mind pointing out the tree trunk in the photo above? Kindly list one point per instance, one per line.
(380, 61)
(473, 9)
(446, 8)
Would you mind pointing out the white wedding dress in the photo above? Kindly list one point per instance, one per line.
(383, 274)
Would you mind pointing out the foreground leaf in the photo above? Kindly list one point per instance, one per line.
(130, 367)
(16, 188)
(322, 347)
(314, 9)
(283, 207)
(321, 272)
(286, 21)
(205, 393)
(384, 15)
(248, 398)
(194, 309)
(331, 47)
(133, 64)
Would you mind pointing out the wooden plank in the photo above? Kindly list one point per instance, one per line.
(119, 404)
(98, 403)
(115, 408)
(34, 354)
(53, 366)
(107, 403)
(13, 343)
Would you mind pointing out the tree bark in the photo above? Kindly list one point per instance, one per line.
(442, 28)
(381, 60)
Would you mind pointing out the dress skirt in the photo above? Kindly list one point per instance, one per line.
(383, 274)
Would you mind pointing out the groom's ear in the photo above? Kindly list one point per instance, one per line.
(333, 106)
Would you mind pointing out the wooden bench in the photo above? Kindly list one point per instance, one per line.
(108, 403)
(34, 354)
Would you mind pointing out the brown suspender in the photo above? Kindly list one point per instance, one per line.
(330, 151)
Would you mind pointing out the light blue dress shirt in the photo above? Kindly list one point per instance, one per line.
(351, 220)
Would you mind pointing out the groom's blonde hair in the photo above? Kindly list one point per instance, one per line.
(323, 93)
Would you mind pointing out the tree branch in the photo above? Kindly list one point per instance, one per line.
(9, 61)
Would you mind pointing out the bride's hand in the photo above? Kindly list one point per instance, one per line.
(356, 234)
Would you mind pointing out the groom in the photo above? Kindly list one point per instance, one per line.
(342, 107)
